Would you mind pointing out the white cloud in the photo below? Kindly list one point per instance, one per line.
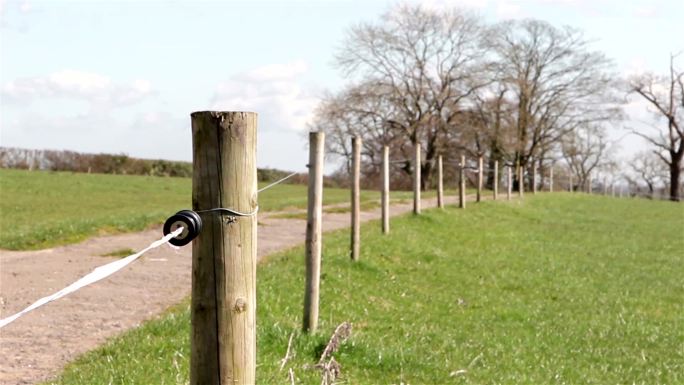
(78, 85)
(273, 91)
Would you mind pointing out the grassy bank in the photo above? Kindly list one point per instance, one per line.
(41, 209)
(558, 289)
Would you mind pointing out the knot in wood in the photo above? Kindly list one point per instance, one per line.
(240, 305)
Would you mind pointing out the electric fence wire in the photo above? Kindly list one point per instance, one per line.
(99, 273)
(104, 271)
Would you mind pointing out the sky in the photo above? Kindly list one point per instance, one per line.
(124, 76)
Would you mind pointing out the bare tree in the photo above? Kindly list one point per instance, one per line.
(648, 168)
(556, 83)
(423, 64)
(584, 150)
(665, 94)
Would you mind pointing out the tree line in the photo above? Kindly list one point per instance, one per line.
(63, 160)
(522, 93)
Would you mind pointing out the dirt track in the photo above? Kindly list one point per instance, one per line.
(35, 347)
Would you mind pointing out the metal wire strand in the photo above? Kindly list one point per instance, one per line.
(235, 213)
(279, 181)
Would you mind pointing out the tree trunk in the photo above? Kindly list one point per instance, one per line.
(675, 173)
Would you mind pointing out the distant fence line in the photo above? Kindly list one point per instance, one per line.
(224, 320)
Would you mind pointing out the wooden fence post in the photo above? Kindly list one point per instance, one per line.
(521, 183)
(509, 186)
(551, 179)
(314, 238)
(480, 176)
(356, 199)
(416, 180)
(612, 189)
(605, 186)
(496, 179)
(385, 190)
(534, 177)
(462, 184)
(224, 255)
(440, 183)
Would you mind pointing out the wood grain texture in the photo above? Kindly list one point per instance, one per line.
(462, 184)
(521, 181)
(480, 177)
(356, 199)
(314, 238)
(224, 255)
(440, 183)
(509, 185)
(416, 180)
(496, 179)
(385, 190)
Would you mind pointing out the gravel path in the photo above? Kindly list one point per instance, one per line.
(35, 347)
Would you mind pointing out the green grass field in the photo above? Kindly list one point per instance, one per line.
(43, 209)
(559, 289)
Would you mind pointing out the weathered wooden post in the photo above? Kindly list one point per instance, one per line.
(480, 174)
(224, 255)
(385, 190)
(612, 189)
(605, 186)
(416, 180)
(496, 179)
(314, 238)
(551, 179)
(356, 199)
(462, 184)
(521, 183)
(440, 183)
(509, 186)
(534, 177)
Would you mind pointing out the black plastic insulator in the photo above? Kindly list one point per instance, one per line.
(191, 223)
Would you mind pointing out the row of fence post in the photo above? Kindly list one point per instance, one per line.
(223, 306)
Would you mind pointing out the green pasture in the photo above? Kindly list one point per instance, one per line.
(40, 209)
(556, 289)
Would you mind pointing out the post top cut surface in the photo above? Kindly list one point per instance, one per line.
(217, 114)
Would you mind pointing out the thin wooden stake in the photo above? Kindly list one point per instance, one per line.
(462, 184)
(551, 179)
(480, 177)
(224, 255)
(356, 199)
(314, 238)
(496, 179)
(385, 190)
(509, 186)
(440, 184)
(416, 180)
(521, 183)
(534, 177)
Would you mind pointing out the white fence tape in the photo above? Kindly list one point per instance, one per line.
(97, 274)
